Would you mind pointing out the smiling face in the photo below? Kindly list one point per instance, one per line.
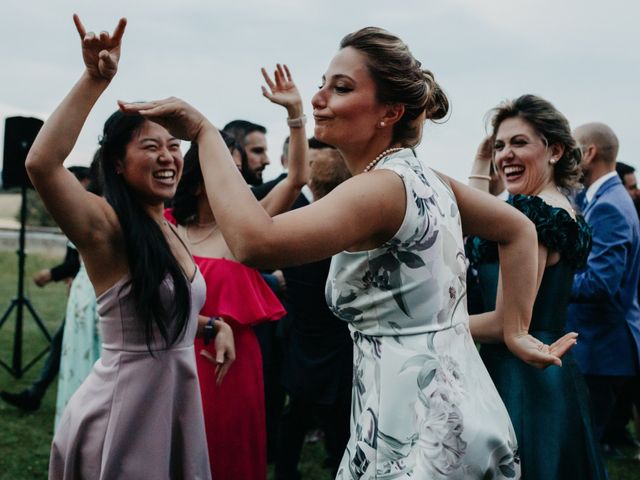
(152, 165)
(345, 109)
(523, 158)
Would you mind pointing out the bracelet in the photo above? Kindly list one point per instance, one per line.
(481, 177)
(209, 331)
(297, 122)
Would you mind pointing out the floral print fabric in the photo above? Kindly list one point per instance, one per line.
(80, 341)
(423, 404)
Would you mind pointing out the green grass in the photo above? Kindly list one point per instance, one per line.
(25, 437)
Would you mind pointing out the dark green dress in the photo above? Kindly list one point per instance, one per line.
(550, 408)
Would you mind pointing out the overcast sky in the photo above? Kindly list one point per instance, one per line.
(583, 56)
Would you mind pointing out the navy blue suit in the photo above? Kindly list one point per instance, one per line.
(604, 308)
(604, 302)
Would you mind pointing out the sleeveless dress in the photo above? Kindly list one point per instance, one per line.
(80, 341)
(550, 408)
(423, 404)
(136, 415)
(234, 412)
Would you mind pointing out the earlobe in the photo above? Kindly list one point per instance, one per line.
(557, 150)
(393, 114)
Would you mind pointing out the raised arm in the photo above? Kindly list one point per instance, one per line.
(520, 272)
(282, 91)
(480, 175)
(82, 216)
(361, 213)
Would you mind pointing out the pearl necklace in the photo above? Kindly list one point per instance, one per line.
(386, 152)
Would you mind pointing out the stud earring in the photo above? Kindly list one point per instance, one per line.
(381, 124)
(553, 161)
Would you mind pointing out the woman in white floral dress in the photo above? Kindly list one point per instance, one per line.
(424, 406)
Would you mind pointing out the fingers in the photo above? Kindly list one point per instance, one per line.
(104, 37)
(543, 360)
(223, 360)
(118, 32)
(207, 355)
(79, 26)
(154, 108)
(108, 64)
(266, 93)
(288, 73)
(267, 79)
(280, 77)
(563, 345)
(221, 372)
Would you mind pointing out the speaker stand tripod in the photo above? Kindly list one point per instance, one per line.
(19, 303)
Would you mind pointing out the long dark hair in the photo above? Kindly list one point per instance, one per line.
(185, 201)
(148, 254)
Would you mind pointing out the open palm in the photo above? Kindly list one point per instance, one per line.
(281, 90)
(538, 354)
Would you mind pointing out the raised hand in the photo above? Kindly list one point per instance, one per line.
(485, 150)
(177, 116)
(282, 90)
(532, 351)
(101, 53)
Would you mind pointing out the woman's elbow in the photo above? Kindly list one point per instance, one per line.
(519, 228)
(35, 165)
(250, 251)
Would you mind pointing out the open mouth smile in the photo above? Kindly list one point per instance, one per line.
(165, 176)
(513, 172)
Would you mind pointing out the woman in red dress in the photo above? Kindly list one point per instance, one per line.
(234, 408)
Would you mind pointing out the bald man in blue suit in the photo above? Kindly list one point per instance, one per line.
(604, 309)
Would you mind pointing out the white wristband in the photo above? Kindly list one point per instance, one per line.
(297, 122)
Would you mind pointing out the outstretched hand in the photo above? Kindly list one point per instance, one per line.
(177, 116)
(540, 355)
(101, 53)
(282, 90)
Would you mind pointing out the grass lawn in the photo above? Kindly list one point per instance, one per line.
(25, 437)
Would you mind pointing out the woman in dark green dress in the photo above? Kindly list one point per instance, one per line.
(550, 409)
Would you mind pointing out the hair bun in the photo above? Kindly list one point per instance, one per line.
(437, 104)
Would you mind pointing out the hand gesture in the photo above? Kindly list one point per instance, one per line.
(532, 351)
(101, 53)
(485, 150)
(177, 116)
(282, 90)
(225, 350)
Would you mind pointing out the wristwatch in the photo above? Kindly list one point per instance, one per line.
(209, 331)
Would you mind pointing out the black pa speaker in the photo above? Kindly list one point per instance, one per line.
(19, 134)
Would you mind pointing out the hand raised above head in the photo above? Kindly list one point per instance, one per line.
(282, 90)
(180, 118)
(101, 53)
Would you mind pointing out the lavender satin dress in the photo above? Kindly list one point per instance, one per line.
(136, 415)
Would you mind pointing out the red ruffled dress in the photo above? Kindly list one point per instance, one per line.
(234, 412)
